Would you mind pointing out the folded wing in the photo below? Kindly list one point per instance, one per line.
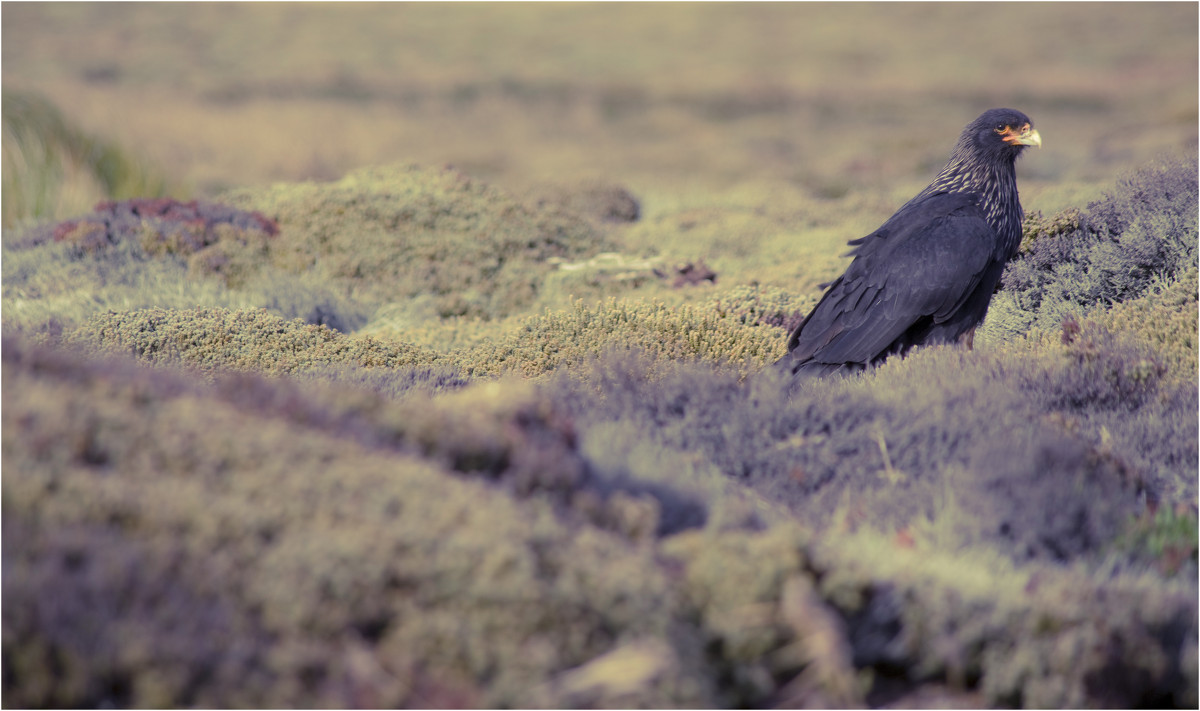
(918, 278)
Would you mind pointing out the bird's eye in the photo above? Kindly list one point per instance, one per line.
(1001, 128)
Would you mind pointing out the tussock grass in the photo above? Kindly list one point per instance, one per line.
(53, 169)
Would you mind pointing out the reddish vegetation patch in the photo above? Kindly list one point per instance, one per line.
(689, 274)
(788, 322)
(162, 224)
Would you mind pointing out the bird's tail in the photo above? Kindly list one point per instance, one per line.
(805, 368)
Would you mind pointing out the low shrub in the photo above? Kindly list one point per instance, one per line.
(887, 450)
(210, 238)
(1142, 234)
(1165, 319)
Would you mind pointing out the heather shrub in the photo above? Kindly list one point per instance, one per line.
(1115, 387)
(99, 617)
(162, 227)
(882, 450)
(1043, 494)
(797, 619)
(1066, 643)
(774, 636)
(507, 434)
(1143, 233)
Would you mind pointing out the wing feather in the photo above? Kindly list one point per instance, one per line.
(921, 266)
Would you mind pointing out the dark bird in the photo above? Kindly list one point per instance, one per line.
(927, 274)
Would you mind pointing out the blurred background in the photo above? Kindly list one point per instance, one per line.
(192, 98)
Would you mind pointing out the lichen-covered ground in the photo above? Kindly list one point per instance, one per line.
(425, 436)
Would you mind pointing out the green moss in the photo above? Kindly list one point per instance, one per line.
(1167, 538)
(756, 304)
(1165, 320)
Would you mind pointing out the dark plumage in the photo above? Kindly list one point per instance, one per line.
(928, 273)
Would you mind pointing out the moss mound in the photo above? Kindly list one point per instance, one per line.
(597, 200)
(399, 233)
(728, 329)
(433, 241)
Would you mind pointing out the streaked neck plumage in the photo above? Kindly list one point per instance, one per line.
(995, 181)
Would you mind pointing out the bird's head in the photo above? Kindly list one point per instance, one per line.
(1001, 132)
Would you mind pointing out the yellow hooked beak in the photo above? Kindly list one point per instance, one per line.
(1027, 136)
